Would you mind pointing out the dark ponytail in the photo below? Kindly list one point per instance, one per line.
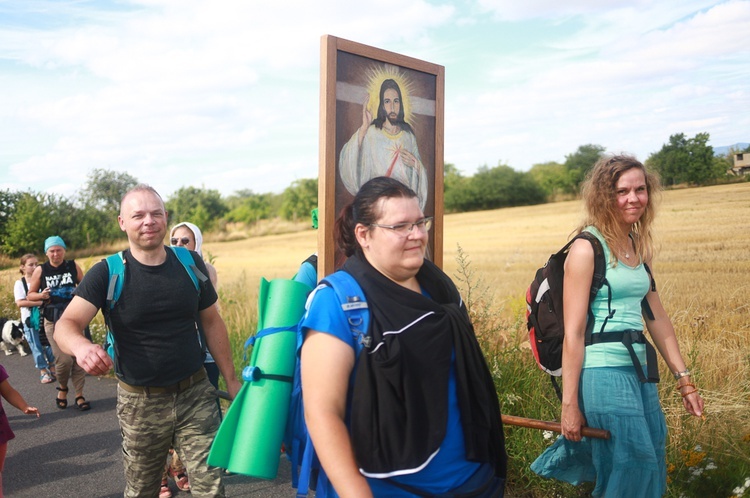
(343, 231)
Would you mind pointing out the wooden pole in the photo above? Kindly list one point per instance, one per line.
(552, 426)
(530, 423)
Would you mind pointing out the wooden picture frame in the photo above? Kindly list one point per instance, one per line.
(352, 76)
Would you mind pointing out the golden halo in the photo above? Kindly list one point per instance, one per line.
(376, 76)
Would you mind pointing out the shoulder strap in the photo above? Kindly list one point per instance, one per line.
(313, 260)
(600, 263)
(188, 262)
(598, 280)
(354, 304)
(25, 285)
(645, 307)
(73, 270)
(199, 279)
(116, 267)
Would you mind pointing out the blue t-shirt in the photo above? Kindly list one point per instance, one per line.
(307, 274)
(448, 467)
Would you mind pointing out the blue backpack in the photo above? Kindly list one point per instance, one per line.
(116, 266)
(306, 470)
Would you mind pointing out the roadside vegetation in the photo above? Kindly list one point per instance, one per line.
(86, 220)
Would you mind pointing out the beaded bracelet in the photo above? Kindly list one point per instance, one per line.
(686, 384)
(689, 393)
(679, 375)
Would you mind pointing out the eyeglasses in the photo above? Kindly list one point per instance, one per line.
(185, 241)
(405, 229)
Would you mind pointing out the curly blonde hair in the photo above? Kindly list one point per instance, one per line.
(599, 194)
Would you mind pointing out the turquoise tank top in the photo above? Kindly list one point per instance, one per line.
(629, 285)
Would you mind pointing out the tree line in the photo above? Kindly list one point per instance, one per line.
(87, 218)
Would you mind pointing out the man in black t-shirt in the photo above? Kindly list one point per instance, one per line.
(164, 397)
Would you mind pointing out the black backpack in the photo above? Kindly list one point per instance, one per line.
(544, 314)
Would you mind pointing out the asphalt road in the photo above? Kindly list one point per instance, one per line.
(69, 453)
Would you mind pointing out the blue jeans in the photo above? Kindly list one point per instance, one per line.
(43, 357)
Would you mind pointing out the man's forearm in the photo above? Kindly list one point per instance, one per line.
(69, 336)
(222, 354)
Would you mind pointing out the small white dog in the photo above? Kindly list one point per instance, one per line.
(12, 337)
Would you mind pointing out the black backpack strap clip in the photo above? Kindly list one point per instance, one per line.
(628, 338)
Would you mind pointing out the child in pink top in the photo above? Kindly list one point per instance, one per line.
(6, 434)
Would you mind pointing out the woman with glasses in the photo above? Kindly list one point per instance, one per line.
(416, 412)
(188, 235)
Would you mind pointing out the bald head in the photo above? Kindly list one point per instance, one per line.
(141, 187)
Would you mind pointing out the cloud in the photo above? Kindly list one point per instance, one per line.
(628, 91)
(160, 84)
(225, 95)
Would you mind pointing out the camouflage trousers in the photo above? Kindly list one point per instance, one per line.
(151, 423)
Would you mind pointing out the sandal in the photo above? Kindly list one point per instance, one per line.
(84, 405)
(182, 482)
(46, 378)
(164, 491)
(62, 403)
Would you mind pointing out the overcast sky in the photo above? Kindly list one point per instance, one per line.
(225, 94)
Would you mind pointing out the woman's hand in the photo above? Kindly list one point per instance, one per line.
(571, 420)
(691, 399)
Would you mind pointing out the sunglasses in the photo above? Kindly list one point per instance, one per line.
(185, 241)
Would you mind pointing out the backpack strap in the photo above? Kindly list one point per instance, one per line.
(598, 280)
(73, 270)
(354, 305)
(628, 338)
(313, 260)
(116, 267)
(188, 262)
(645, 307)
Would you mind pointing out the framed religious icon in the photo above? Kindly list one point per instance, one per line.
(381, 114)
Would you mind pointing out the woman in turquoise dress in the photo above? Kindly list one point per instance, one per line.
(601, 387)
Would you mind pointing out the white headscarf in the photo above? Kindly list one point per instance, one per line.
(196, 234)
